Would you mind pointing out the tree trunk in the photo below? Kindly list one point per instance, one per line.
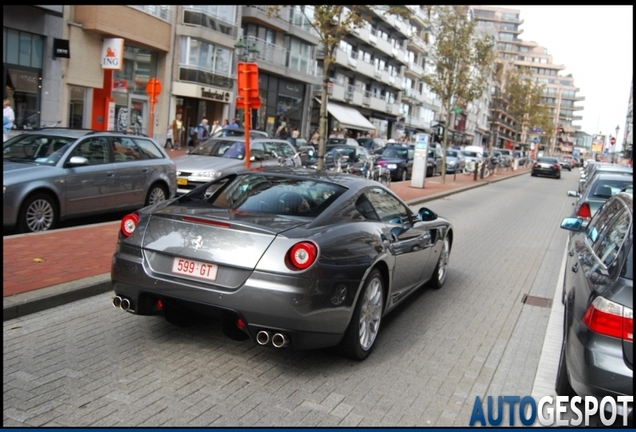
(322, 125)
(445, 142)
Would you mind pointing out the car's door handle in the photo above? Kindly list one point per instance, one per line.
(110, 173)
(572, 252)
(575, 267)
(145, 170)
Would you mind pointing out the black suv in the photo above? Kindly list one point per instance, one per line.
(597, 354)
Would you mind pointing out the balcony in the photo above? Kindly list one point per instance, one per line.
(416, 43)
(579, 98)
(194, 74)
(277, 59)
(415, 69)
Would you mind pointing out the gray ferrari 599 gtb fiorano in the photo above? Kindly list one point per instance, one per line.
(288, 257)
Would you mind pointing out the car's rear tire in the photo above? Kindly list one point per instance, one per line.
(156, 194)
(441, 269)
(365, 322)
(558, 176)
(38, 213)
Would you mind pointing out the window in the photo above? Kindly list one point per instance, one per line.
(125, 150)
(148, 149)
(95, 150)
(387, 207)
(205, 56)
(608, 247)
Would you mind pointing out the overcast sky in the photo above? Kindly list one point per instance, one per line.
(595, 44)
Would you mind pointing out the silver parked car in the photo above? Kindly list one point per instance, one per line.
(287, 257)
(54, 174)
(218, 156)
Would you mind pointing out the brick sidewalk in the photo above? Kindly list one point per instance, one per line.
(40, 260)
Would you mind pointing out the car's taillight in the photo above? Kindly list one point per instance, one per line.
(610, 319)
(302, 255)
(584, 212)
(129, 223)
(557, 167)
(535, 165)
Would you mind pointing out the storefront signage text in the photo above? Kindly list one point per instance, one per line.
(215, 95)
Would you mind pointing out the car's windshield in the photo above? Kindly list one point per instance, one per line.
(452, 153)
(37, 148)
(344, 151)
(236, 151)
(212, 148)
(395, 152)
(470, 153)
(273, 195)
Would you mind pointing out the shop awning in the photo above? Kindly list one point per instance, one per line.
(349, 118)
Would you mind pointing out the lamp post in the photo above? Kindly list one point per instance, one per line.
(616, 144)
(248, 95)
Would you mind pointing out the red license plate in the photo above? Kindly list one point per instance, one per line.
(194, 268)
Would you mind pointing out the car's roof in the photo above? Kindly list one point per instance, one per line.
(347, 180)
(75, 133)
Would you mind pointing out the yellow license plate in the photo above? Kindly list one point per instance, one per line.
(182, 181)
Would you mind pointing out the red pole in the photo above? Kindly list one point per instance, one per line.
(248, 126)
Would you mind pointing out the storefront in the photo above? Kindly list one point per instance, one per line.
(282, 100)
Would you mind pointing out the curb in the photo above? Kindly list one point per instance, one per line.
(46, 298)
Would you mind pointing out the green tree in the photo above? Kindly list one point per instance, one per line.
(461, 61)
(332, 24)
(525, 94)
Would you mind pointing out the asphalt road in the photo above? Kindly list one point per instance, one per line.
(88, 364)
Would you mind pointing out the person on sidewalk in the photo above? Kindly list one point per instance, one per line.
(8, 119)
(178, 131)
(215, 127)
(233, 124)
(203, 131)
(169, 142)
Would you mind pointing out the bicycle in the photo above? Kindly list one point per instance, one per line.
(375, 172)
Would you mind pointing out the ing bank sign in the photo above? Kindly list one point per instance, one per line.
(112, 53)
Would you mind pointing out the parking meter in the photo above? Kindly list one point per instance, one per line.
(420, 159)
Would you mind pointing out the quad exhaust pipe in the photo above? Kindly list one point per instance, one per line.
(278, 340)
(122, 303)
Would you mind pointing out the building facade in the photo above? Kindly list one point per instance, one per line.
(560, 93)
(33, 74)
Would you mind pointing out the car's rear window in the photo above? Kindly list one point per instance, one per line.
(548, 160)
(39, 148)
(276, 195)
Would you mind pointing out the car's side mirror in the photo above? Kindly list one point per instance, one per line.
(573, 193)
(77, 161)
(426, 214)
(572, 224)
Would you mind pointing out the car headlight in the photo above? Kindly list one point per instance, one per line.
(391, 166)
(451, 163)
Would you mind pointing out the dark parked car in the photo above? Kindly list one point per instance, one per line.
(352, 156)
(331, 142)
(547, 166)
(597, 354)
(55, 174)
(566, 163)
(398, 160)
(434, 162)
(287, 257)
(602, 187)
(374, 145)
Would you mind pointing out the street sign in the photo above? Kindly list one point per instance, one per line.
(153, 88)
(612, 140)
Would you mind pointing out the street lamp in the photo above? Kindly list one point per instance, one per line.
(248, 93)
(616, 144)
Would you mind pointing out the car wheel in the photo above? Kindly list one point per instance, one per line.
(441, 269)
(365, 322)
(562, 385)
(179, 317)
(156, 194)
(558, 176)
(434, 173)
(533, 174)
(404, 174)
(38, 213)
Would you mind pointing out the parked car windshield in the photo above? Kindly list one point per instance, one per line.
(212, 148)
(452, 153)
(396, 152)
(41, 149)
(470, 154)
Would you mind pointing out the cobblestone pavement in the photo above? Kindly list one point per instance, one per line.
(88, 364)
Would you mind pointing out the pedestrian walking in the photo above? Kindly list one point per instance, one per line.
(295, 135)
(315, 139)
(202, 131)
(178, 132)
(281, 132)
(233, 124)
(8, 119)
(215, 127)
(226, 124)
(169, 142)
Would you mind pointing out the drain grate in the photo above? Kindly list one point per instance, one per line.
(536, 301)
